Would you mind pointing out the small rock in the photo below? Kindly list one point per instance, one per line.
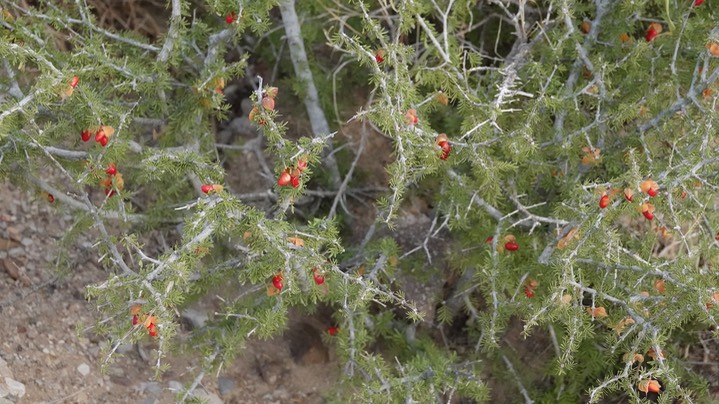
(15, 388)
(175, 386)
(272, 379)
(116, 371)
(195, 318)
(125, 348)
(15, 252)
(282, 394)
(8, 244)
(4, 369)
(151, 387)
(15, 232)
(84, 369)
(207, 397)
(226, 385)
(27, 241)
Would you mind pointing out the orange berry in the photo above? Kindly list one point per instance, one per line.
(585, 27)
(653, 354)
(149, 321)
(646, 386)
(441, 98)
(411, 116)
(635, 357)
(597, 311)
(135, 309)
(268, 103)
(628, 194)
(713, 48)
(272, 92)
(659, 286)
(379, 56)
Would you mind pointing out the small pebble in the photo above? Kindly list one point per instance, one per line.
(84, 369)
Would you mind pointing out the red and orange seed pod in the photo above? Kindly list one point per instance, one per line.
(653, 31)
(379, 56)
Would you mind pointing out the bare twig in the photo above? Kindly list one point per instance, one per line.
(318, 121)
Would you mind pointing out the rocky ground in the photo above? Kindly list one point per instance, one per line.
(48, 355)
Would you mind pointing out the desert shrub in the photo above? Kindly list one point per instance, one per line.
(565, 149)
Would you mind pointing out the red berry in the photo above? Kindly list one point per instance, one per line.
(528, 292)
(277, 282)
(206, 188)
(651, 34)
(50, 198)
(301, 165)
(135, 319)
(446, 148)
(511, 246)
(652, 192)
(152, 330)
(489, 240)
(319, 278)
(74, 81)
(103, 141)
(333, 331)
(295, 182)
(604, 201)
(284, 179)
(649, 215)
(111, 169)
(85, 135)
(698, 3)
(230, 18)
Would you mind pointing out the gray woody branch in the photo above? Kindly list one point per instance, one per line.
(318, 121)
